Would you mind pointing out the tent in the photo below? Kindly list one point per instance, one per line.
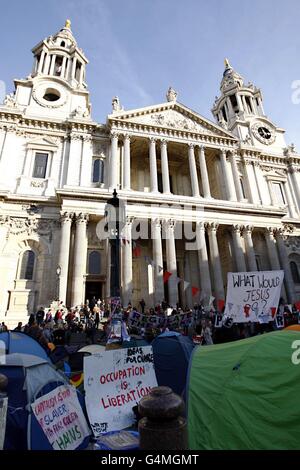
(171, 352)
(29, 377)
(18, 342)
(243, 395)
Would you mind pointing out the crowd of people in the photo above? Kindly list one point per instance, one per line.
(47, 325)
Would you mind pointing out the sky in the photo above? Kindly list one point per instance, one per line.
(138, 48)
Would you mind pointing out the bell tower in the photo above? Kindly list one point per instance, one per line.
(239, 109)
(56, 86)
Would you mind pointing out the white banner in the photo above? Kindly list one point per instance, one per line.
(60, 416)
(3, 414)
(114, 382)
(253, 296)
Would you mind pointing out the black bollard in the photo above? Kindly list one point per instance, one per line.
(3, 383)
(162, 426)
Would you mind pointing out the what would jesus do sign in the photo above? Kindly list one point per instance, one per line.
(253, 296)
(114, 382)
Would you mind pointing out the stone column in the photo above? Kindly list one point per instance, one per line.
(238, 248)
(290, 204)
(283, 256)
(127, 263)
(64, 252)
(256, 167)
(212, 228)
(53, 59)
(73, 67)
(204, 173)
(153, 165)
(236, 176)
(187, 278)
(158, 260)
(271, 192)
(41, 62)
(63, 67)
(126, 162)
(75, 158)
(293, 172)
(250, 253)
(79, 263)
(225, 172)
(114, 174)
(165, 166)
(203, 260)
(193, 172)
(273, 255)
(171, 262)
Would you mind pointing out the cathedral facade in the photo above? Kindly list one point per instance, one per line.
(202, 198)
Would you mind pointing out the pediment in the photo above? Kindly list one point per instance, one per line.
(172, 116)
(42, 142)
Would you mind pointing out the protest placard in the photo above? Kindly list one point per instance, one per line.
(61, 418)
(114, 382)
(253, 296)
(3, 414)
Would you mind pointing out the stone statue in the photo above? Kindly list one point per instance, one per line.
(171, 94)
(10, 100)
(116, 104)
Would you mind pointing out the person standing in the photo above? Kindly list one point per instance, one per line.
(40, 316)
(142, 304)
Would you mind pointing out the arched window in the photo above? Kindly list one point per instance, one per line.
(94, 262)
(63, 44)
(98, 171)
(27, 265)
(295, 272)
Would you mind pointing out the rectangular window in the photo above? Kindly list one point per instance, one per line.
(40, 165)
(277, 188)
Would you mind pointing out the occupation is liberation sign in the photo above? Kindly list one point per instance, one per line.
(114, 382)
(253, 296)
(61, 418)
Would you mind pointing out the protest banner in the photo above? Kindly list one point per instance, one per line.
(253, 296)
(61, 418)
(114, 382)
(279, 320)
(3, 414)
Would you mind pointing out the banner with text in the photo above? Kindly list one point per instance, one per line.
(253, 296)
(60, 416)
(114, 382)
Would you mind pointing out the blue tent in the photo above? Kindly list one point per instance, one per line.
(29, 377)
(172, 352)
(18, 342)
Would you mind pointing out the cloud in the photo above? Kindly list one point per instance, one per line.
(95, 22)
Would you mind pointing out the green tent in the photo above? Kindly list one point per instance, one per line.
(245, 394)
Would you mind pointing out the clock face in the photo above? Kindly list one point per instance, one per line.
(263, 133)
(50, 95)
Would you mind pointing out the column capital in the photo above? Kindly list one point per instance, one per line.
(223, 151)
(211, 226)
(114, 135)
(81, 218)
(152, 140)
(237, 228)
(191, 145)
(163, 142)
(66, 217)
(169, 224)
(129, 219)
(127, 137)
(156, 222)
(247, 229)
(201, 225)
(270, 231)
(201, 147)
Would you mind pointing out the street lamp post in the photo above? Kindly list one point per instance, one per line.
(115, 220)
(58, 273)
